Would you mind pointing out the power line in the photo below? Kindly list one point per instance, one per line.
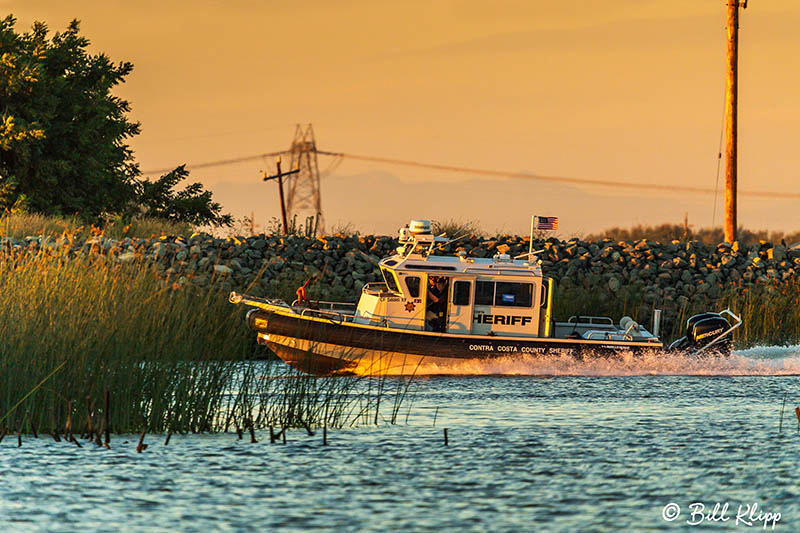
(494, 173)
(219, 163)
(555, 179)
(163, 140)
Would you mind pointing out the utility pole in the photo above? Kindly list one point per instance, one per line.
(731, 119)
(279, 176)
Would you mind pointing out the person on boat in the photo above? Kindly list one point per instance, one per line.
(437, 303)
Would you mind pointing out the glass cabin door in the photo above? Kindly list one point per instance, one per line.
(460, 306)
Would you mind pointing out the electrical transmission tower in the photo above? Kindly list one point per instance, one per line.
(303, 196)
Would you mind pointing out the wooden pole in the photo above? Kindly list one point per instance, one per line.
(283, 204)
(280, 176)
(731, 120)
(141, 446)
(108, 420)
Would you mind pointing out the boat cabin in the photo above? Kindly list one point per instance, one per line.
(459, 295)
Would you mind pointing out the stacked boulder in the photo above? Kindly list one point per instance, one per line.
(272, 265)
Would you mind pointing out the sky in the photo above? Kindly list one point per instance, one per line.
(622, 90)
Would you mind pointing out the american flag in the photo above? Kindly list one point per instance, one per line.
(547, 223)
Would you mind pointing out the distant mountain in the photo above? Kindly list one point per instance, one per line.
(381, 202)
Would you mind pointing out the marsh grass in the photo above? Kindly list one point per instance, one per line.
(453, 228)
(684, 232)
(21, 225)
(768, 311)
(159, 350)
(577, 300)
(173, 358)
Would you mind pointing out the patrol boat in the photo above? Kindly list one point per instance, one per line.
(445, 310)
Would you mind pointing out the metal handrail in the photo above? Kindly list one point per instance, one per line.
(333, 316)
(296, 303)
(340, 318)
(607, 335)
(332, 304)
(373, 289)
(254, 301)
(603, 320)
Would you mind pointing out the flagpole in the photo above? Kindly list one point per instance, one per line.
(530, 244)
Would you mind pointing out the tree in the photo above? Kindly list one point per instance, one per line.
(64, 151)
(15, 79)
(63, 135)
(193, 204)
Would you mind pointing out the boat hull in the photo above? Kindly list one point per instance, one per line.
(324, 347)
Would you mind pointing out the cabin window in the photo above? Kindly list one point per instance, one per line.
(413, 286)
(388, 277)
(513, 294)
(461, 293)
(429, 267)
(484, 292)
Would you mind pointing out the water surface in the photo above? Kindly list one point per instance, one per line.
(543, 446)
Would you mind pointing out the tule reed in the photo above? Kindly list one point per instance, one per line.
(94, 346)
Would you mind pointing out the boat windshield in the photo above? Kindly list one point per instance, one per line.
(391, 282)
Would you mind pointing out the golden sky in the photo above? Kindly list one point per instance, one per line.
(626, 90)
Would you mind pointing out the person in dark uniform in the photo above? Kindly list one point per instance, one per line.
(437, 304)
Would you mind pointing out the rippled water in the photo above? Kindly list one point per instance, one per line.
(593, 446)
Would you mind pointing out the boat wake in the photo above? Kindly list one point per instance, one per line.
(758, 361)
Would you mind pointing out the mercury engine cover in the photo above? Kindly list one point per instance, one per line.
(704, 328)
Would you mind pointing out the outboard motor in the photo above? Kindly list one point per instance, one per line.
(703, 330)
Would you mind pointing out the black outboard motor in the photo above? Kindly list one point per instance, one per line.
(703, 330)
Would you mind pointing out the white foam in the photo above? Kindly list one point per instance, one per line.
(758, 361)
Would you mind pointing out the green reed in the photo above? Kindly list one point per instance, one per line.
(579, 300)
(172, 357)
(768, 310)
(21, 225)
